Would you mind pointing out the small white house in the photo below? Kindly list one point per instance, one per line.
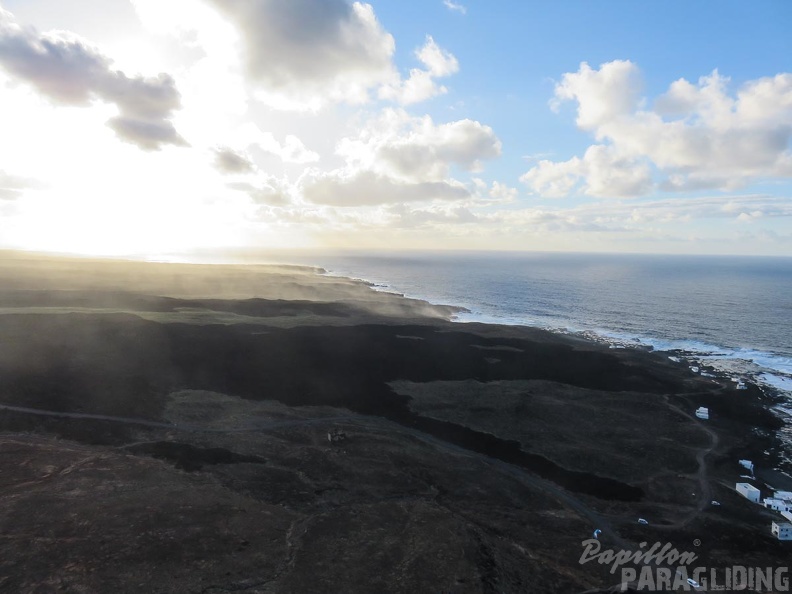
(702, 412)
(748, 491)
(778, 505)
(748, 465)
(783, 495)
(782, 530)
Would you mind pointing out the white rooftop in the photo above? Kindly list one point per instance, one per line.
(747, 487)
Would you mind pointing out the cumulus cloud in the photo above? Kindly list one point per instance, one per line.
(675, 211)
(399, 158)
(603, 95)
(303, 53)
(416, 149)
(455, 7)
(369, 188)
(232, 162)
(266, 191)
(421, 84)
(670, 219)
(68, 71)
(433, 216)
(292, 150)
(695, 136)
(12, 186)
(602, 172)
(250, 136)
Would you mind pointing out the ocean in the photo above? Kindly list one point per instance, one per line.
(734, 312)
(731, 313)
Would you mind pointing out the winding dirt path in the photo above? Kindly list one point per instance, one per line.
(704, 491)
(377, 424)
(609, 535)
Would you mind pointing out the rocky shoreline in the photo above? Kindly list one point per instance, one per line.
(475, 458)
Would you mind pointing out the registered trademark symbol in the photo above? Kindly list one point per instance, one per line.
(697, 543)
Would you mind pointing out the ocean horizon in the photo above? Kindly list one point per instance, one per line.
(726, 312)
(731, 311)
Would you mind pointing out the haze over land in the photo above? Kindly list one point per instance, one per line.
(142, 127)
(171, 428)
(229, 425)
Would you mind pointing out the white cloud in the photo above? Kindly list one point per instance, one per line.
(455, 7)
(12, 186)
(266, 190)
(554, 179)
(603, 95)
(232, 162)
(697, 136)
(399, 158)
(363, 188)
(292, 150)
(328, 51)
(432, 216)
(303, 53)
(417, 149)
(502, 193)
(69, 71)
(602, 172)
(421, 85)
(249, 136)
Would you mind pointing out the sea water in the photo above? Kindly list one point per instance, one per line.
(731, 313)
(724, 309)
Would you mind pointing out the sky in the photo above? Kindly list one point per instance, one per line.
(142, 127)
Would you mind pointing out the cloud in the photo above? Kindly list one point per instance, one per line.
(250, 136)
(438, 215)
(369, 188)
(267, 191)
(292, 150)
(602, 172)
(12, 186)
(399, 158)
(303, 53)
(667, 220)
(70, 72)
(421, 85)
(603, 95)
(682, 210)
(416, 149)
(231, 162)
(696, 136)
(454, 7)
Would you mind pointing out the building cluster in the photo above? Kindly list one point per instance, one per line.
(780, 502)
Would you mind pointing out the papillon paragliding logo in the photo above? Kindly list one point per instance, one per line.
(658, 554)
(661, 567)
(652, 566)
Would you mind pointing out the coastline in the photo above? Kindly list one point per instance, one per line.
(233, 384)
(693, 354)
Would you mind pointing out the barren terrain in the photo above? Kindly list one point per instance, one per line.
(165, 429)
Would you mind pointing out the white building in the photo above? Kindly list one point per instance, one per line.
(702, 412)
(787, 515)
(778, 505)
(748, 491)
(784, 495)
(748, 465)
(782, 530)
